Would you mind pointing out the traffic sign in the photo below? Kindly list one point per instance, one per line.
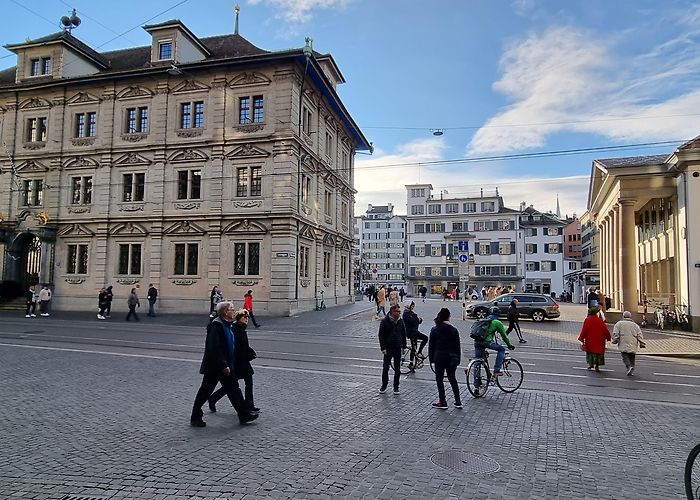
(463, 246)
(463, 258)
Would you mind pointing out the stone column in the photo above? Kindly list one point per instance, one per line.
(629, 257)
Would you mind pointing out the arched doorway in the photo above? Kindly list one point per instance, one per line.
(23, 264)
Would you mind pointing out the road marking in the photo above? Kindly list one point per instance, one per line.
(676, 375)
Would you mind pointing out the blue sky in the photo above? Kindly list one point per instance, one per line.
(500, 77)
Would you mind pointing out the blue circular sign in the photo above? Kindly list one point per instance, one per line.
(463, 258)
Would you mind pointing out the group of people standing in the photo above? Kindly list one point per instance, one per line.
(34, 297)
(106, 295)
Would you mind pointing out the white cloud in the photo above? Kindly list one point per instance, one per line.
(381, 179)
(566, 79)
(300, 10)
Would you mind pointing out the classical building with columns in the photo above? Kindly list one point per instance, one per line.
(647, 211)
(188, 163)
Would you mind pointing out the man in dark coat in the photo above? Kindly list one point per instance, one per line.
(392, 338)
(218, 366)
(152, 297)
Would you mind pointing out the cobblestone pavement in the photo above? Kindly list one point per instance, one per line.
(81, 424)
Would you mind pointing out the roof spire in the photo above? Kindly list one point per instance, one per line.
(558, 213)
(238, 10)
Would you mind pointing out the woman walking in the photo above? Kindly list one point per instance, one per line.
(102, 303)
(593, 335)
(444, 352)
(133, 302)
(513, 323)
(627, 334)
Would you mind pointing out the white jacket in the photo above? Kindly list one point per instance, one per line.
(627, 334)
(44, 294)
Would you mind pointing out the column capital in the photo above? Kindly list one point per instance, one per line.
(627, 201)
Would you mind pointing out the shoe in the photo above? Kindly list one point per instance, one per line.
(255, 409)
(257, 326)
(397, 392)
(198, 423)
(246, 419)
(458, 404)
(99, 316)
(597, 369)
(420, 355)
(522, 341)
(382, 390)
(212, 406)
(27, 316)
(497, 373)
(33, 315)
(630, 371)
(440, 405)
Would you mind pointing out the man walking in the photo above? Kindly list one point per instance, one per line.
(218, 367)
(628, 336)
(133, 302)
(44, 299)
(392, 338)
(31, 298)
(248, 306)
(152, 296)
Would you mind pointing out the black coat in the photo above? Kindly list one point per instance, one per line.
(243, 354)
(102, 299)
(513, 314)
(215, 358)
(392, 336)
(411, 322)
(443, 345)
(152, 295)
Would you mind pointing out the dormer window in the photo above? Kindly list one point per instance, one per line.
(165, 50)
(40, 66)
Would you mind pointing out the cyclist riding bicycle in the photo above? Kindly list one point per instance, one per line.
(411, 320)
(490, 341)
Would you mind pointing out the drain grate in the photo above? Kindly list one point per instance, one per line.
(468, 463)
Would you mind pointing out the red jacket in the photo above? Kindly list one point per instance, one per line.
(594, 333)
(248, 302)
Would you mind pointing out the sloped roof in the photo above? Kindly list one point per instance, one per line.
(64, 37)
(633, 161)
(691, 144)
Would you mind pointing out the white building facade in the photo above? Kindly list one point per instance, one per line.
(382, 244)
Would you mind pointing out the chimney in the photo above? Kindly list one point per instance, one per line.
(390, 206)
(522, 206)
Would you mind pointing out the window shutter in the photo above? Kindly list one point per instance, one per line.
(534, 248)
(413, 271)
(476, 248)
(442, 227)
(512, 247)
(494, 248)
(537, 266)
(477, 271)
(443, 250)
(494, 225)
(495, 271)
(444, 271)
(560, 231)
(427, 249)
(554, 265)
(546, 248)
(428, 271)
(561, 247)
(413, 250)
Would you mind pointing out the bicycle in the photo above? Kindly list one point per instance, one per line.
(320, 305)
(480, 377)
(418, 360)
(692, 474)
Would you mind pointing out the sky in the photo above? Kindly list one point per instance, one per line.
(526, 93)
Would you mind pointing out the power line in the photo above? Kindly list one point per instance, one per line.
(53, 23)
(87, 16)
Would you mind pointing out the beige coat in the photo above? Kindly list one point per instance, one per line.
(394, 298)
(381, 295)
(627, 335)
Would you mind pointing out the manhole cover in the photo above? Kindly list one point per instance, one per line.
(469, 463)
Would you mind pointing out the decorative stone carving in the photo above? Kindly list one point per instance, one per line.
(189, 132)
(306, 210)
(328, 219)
(134, 91)
(344, 227)
(250, 128)
(34, 145)
(130, 208)
(304, 283)
(131, 159)
(188, 206)
(245, 282)
(182, 281)
(247, 204)
(34, 102)
(75, 281)
(78, 210)
(127, 281)
(187, 156)
(327, 284)
(250, 79)
(135, 137)
(82, 141)
(308, 139)
(343, 282)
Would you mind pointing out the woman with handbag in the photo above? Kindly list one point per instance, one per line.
(593, 335)
(444, 351)
(243, 354)
(628, 336)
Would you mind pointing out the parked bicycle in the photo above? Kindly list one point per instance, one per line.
(660, 311)
(682, 317)
(480, 377)
(320, 304)
(692, 474)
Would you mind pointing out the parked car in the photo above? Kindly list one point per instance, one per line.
(531, 305)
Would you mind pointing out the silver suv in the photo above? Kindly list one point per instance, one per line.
(531, 305)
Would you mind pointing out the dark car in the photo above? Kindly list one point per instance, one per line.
(530, 305)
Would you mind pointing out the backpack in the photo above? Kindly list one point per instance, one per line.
(480, 330)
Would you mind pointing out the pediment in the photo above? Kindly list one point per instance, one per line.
(30, 166)
(247, 151)
(83, 98)
(187, 155)
(80, 162)
(185, 227)
(345, 245)
(130, 159)
(306, 231)
(75, 230)
(34, 102)
(329, 239)
(190, 86)
(251, 78)
(128, 228)
(245, 226)
(134, 91)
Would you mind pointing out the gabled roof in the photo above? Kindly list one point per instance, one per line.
(66, 38)
(633, 161)
(176, 23)
(691, 144)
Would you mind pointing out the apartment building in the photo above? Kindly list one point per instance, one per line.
(382, 246)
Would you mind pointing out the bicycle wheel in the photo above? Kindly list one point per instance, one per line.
(477, 378)
(406, 367)
(692, 474)
(512, 375)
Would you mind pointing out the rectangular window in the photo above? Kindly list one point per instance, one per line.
(436, 271)
(457, 226)
(488, 206)
(548, 266)
(186, 259)
(420, 250)
(482, 226)
(34, 67)
(77, 259)
(343, 267)
(246, 259)
(45, 65)
(306, 117)
(136, 120)
(328, 203)
(85, 124)
(133, 187)
(506, 270)
(419, 228)
(531, 266)
(40, 66)
(436, 250)
(552, 231)
(552, 247)
(504, 225)
(452, 208)
(329, 144)
(304, 261)
(305, 189)
(247, 115)
(344, 212)
(192, 114)
(165, 50)
(32, 192)
(129, 259)
(485, 270)
(434, 209)
(469, 207)
(36, 129)
(417, 209)
(189, 183)
(504, 248)
(327, 265)
(82, 190)
(484, 248)
(242, 182)
(530, 248)
(435, 228)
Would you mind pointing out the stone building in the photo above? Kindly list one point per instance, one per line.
(187, 163)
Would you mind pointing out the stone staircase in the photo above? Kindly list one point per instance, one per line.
(14, 305)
